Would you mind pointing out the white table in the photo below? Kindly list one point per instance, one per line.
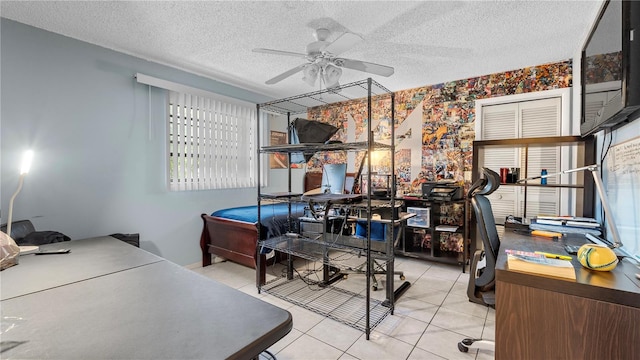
(108, 299)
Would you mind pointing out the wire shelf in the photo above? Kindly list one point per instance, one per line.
(310, 148)
(341, 305)
(336, 250)
(299, 104)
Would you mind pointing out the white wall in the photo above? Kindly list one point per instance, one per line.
(624, 199)
(279, 178)
(99, 142)
(623, 191)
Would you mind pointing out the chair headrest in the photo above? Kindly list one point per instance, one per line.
(485, 185)
(478, 185)
(493, 181)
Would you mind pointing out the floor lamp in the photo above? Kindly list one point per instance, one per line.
(24, 170)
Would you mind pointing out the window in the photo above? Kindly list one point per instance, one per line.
(211, 143)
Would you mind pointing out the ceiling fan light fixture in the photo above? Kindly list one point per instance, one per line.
(311, 74)
(323, 62)
(331, 75)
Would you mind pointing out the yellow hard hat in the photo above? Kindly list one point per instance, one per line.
(597, 257)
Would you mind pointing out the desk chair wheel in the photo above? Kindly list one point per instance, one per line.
(463, 345)
(467, 343)
(402, 277)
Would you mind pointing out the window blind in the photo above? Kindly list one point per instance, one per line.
(212, 138)
(212, 143)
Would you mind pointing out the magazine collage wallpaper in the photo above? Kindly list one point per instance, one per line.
(446, 125)
(442, 117)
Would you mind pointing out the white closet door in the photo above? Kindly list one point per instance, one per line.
(540, 118)
(535, 118)
(500, 122)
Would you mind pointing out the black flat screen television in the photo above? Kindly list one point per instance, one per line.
(611, 68)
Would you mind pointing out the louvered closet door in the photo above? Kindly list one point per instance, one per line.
(500, 122)
(540, 118)
(536, 118)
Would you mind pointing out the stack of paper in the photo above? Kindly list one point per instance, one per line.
(28, 249)
(449, 228)
(568, 221)
(539, 264)
(566, 224)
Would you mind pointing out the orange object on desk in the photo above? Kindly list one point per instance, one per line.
(549, 234)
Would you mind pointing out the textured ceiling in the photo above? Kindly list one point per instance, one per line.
(427, 42)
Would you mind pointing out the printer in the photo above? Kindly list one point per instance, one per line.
(441, 191)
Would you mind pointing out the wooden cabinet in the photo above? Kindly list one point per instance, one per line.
(438, 232)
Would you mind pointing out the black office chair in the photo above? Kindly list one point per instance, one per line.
(481, 288)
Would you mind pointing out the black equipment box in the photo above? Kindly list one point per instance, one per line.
(382, 209)
(441, 191)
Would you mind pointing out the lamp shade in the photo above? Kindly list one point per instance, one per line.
(311, 74)
(27, 158)
(333, 178)
(25, 166)
(331, 75)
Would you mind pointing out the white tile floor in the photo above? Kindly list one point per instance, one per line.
(430, 318)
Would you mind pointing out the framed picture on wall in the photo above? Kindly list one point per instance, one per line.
(278, 160)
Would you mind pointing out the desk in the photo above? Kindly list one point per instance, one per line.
(89, 258)
(597, 316)
(148, 309)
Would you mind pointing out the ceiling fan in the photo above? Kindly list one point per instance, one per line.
(323, 61)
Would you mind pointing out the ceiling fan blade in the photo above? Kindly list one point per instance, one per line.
(285, 74)
(365, 66)
(279, 52)
(343, 43)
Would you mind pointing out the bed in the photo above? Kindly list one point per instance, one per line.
(233, 233)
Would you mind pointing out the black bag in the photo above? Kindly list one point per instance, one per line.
(132, 239)
(42, 238)
(309, 131)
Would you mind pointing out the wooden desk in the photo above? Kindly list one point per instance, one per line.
(148, 309)
(595, 317)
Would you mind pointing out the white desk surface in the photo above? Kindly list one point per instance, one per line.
(88, 258)
(152, 310)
